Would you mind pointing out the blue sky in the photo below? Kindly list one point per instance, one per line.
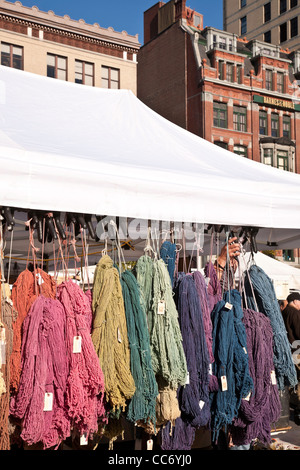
(123, 14)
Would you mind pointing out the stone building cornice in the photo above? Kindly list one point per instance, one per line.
(65, 26)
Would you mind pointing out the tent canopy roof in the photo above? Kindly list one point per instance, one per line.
(66, 147)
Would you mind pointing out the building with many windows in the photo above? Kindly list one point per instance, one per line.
(275, 22)
(239, 94)
(62, 48)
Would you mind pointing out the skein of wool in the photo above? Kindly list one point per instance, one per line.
(263, 407)
(40, 401)
(204, 303)
(85, 381)
(168, 359)
(194, 395)
(8, 315)
(110, 336)
(265, 296)
(231, 365)
(24, 292)
(168, 254)
(214, 289)
(181, 437)
(142, 405)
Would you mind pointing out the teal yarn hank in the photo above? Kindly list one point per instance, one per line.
(142, 405)
(260, 294)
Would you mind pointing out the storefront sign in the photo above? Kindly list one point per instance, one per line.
(278, 102)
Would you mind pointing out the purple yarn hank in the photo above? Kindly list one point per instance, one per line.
(263, 408)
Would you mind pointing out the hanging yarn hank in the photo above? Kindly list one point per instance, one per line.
(142, 405)
(231, 365)
(24, 292)
(260, 294)
(110, 336)
(168, 359)
(262, 408)
(40, 400)
(194, 395)
(8, 315)
(168, 253)
(180, 437)
(201, 287)
(85, 381)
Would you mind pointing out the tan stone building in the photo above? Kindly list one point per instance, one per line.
(59, 47)
(275, 21)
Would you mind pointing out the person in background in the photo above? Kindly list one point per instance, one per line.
(291, 317)
(282, 304)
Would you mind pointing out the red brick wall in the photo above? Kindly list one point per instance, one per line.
(161, 81)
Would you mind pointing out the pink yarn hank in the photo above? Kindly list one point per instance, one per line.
(85, 382)
(44, 370)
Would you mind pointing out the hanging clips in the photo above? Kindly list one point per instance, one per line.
(8, 218)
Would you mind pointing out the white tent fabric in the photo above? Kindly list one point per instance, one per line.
(66, 147)
(276, 270)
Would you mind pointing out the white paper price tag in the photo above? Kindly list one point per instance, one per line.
(228, 306)
(119, 336)
(161, 307)
(150, 444)
(77, 344)
(187, 379)
(48, 402)
(273, 377)
(2, 347)
(247, 398)
(210, 369)
(201, 404)
(224, 383)
(40, 280)
(84, 439)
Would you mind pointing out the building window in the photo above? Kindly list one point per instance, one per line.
(222, 43)
(240, 150)
(286, 126)
(243, 3)
(239, 73)
(244, 25)
(293, 3)
(268, 157)
(267, 12)
(269, 80)
(12, 56)
(221, 69)
(56, 67)
(229, 72)
(282, 160)
(267, 37)
(274, 125)
(294, 27)
(283, 6)
(220, 115)
(283, 32)
(263, 123)
(280, 82)
(221, 144)
(110, 77)
(239, 118)
(84, 73)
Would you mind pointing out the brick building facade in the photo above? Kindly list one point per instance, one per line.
(59, 47)
(239, 94)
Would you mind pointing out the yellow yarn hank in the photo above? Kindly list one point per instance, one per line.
(109, 334)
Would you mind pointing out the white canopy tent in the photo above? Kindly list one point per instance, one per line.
(285, 277)
(71, 148)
